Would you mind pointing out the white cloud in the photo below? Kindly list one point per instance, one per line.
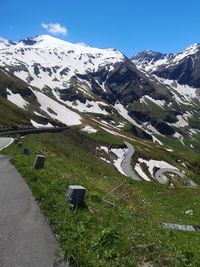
(55, 28)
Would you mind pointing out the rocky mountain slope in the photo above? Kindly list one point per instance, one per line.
(25, 106)
(71, 84)
(182, 67)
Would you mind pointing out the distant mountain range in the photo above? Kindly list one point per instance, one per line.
(182, 67)
(54, 82)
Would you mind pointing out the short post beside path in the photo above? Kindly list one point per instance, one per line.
(19, 144)
(39, 162)
(76, 195)
(26, 151)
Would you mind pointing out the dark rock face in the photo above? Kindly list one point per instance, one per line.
(47, 70)
(185, 70)
(29, 41)
(125, 83)
(36, 69)
(140, 133)
(70, 95)
(64, 71)
(140, 116)
(148, 56)
(163, 128)
(13, 83)
(171, 118)
(71, 91)
(24, 92)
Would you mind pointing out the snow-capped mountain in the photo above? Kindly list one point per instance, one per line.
(48, 61)
(5, 43)
(182, 67)
(63, 81)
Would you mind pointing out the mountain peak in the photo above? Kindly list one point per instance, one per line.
(147, 54)
(192, 49)
(5, 42)
(47, 37)
(42, 40)
(46, 42)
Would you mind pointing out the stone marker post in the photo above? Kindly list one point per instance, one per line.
(26, 151)
(16, 141)
(19, 144)
(39, 162)
(76, 195)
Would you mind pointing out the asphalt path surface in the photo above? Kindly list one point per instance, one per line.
(161, 179)
(26, 240)
(126, 163)
(4, 142)
(159, 175)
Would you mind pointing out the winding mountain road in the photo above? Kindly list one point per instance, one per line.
(126, 163)
(26, 239)
(159, 175)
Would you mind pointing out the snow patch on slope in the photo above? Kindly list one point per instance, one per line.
(39, 125)
(16, 99)
(88, 106)
(57, 111)
(89, 129)
(141, 173)
(119, 153)
(48, 61)
(156, 163)
(181, 122)
(124, 113)
(160, 103)
(179, 137)
(185, 92)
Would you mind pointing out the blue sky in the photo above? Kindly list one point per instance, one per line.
(128, 25)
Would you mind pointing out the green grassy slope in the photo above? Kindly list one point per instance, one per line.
(119, 224)
(13, 116)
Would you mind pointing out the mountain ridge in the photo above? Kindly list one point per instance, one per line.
(50, 38)
(182, 66)
(101, 82)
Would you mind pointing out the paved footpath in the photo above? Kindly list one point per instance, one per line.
(26, 240)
